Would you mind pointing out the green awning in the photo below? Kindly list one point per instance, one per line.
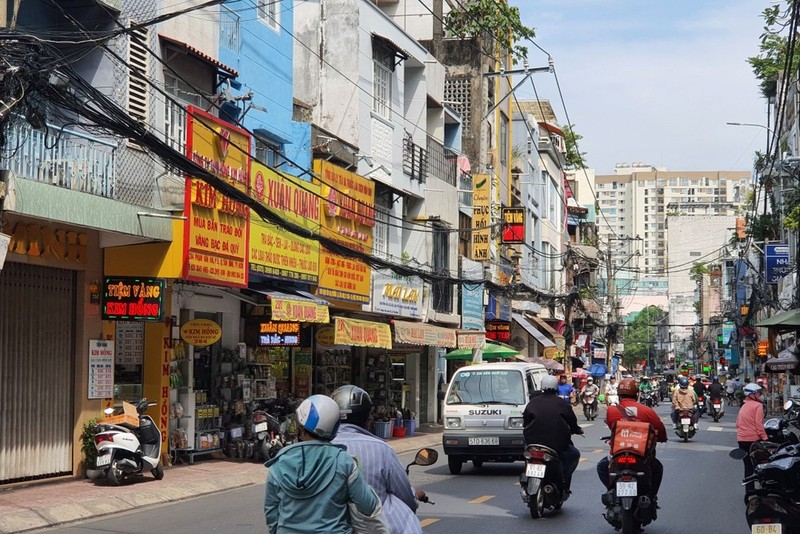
(491, 351)
(787, 319)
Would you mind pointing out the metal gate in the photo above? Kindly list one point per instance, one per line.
(37, 336)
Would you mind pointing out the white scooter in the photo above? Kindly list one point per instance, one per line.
(124, 450)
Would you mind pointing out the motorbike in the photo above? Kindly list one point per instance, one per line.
(685, 429)
(716, 409)
(628, 504)
(773, 506)
(542, 483)
(612, 397)
(701, 405)
(648, 398)
(125, 450)
(589, 406)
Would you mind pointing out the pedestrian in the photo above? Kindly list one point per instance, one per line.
(314, 485)
(379, 464)
(750, 427)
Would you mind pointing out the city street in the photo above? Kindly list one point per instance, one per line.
(700, 493)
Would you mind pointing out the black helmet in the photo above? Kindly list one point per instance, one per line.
(354, 404)
(683, 382)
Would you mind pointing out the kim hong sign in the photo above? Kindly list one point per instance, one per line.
(133, 299)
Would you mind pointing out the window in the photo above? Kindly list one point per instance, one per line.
(269, 13)
(382, 69)
(268, 153)
(442, 290)
(503, 141)
(139, 64)
(380, 233)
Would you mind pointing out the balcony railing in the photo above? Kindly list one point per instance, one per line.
(62, 157)
(415, 160)
(441, 162)
(229, 34)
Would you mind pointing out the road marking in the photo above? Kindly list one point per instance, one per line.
(582, 459)
(585, 425)
(598, 451)
(428, 522)
(714, 429)
(481, 500)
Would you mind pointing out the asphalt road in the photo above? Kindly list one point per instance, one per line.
(701, 493)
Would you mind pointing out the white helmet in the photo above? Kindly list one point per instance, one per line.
(319, 415)
(590, 380)
(751, 388)
(549, 382)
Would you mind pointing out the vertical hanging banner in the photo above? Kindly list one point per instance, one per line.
(513, 225)
(347, 215)
(481, 217)
(216, 230)
(276, 252)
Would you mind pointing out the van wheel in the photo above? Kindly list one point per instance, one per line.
(477, 463)
(454, 463)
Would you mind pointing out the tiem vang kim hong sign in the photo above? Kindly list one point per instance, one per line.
(133, 299)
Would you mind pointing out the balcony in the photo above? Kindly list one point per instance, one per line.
(415, 160)
(62, 157)
(441, 162)
(229, 29)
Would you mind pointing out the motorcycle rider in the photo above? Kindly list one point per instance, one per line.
(549, 421)
(645, 388)
(565, 389)
(590, 391)
(311, 483)
(635, 411)
(683, 398)
(379, 463)
(611, 391)
(715, 390)
(750, 427)
(699, 391)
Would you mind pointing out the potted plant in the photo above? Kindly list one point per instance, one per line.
(88, 448)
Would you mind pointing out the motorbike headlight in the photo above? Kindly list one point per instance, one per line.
(515, 422)
(453, 422)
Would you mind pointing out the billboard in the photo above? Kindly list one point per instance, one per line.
(777, 263)
(481, 217)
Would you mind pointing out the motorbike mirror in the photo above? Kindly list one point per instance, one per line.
(737, 454)
(426, 456)
(108, 411)
(773, 424)
(787, 405)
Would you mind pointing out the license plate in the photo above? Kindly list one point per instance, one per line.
(626, 489)
(686, 421)
(534, 470)
(260, 427)
(717, 405)
(773, 528)
(494, 440)
(103, 460)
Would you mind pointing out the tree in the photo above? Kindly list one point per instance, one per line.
(575, 158)
(772, 58)
(490, 18)
(640, 336)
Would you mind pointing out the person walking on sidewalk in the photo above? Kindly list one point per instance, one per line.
(379, 463)
(314, 485)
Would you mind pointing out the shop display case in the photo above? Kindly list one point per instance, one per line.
(333, 369)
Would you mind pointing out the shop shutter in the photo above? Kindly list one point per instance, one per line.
(37, 336)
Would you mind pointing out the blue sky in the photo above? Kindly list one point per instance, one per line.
(652, 80)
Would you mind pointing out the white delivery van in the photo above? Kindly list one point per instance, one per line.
(483, 412)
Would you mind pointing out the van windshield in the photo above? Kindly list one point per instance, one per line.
(486, 387)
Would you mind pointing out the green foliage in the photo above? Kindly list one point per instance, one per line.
(575, 158)
(88, 447)
(697, 272)
(771, 59)
(764, 226)
(490, 18)
(640, 335)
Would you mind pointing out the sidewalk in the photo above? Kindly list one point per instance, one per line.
(47, 504)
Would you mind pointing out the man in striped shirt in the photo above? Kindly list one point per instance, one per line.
(380, 465)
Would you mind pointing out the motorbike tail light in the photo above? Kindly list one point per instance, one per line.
(533, 454)
(626, 460)
(100, 438)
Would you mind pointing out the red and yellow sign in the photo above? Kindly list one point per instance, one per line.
(424, 334)
(201, 332)
(513, 225)
(762, 348)
(301, 311)
(362, 333)
(347, 215)
(216, 232)
(276, 252)
(481, 217)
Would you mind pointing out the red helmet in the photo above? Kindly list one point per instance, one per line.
(628, 388)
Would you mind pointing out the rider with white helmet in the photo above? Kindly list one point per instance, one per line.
(750, 425)
(310, 483)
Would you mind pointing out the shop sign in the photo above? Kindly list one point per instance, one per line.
(498, 331)
(472, 306)
(347, 215)
(325, 336)
(47, 242)
(471, 340)
(101, 369)
(763, 347)
(216, 230)
(274, 334)
(201, 332)
(400, 296)
(481, 217)
(777, 262)
(499, 307)
(276, 252)
(129, 338)
(513, 225)
(424, 334)
(133, 299)
(296, 310)
(362, 333)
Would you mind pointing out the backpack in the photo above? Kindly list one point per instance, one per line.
(630, 435)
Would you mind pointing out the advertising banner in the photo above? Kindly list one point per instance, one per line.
(276, 252)
(101, 369)
(300, 311)
(133, 299)
(481, 217)
(278, 334)
(216, 232)
(472, 306)
(499, 307)
(424, 334)
(359, 333)
(471, 339)
(347, 215)
(777, 262)
(513, 225)
(400, 296)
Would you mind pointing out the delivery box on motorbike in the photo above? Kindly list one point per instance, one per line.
(632, 436)
(124, 416)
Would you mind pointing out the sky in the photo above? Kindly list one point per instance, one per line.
(652, 81)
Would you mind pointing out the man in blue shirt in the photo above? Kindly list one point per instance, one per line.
(379, 464)
(565, 389)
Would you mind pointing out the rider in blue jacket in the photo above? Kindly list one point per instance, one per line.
(310, 483)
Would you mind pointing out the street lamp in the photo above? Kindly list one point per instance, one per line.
(754, 125)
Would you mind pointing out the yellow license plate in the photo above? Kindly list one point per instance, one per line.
(773, 528)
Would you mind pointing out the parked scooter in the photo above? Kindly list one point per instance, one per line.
(628, 505)
(777, 492)
(716, 409)
(685, 429)
(589, 406)
(124, 450)
(542, 483)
